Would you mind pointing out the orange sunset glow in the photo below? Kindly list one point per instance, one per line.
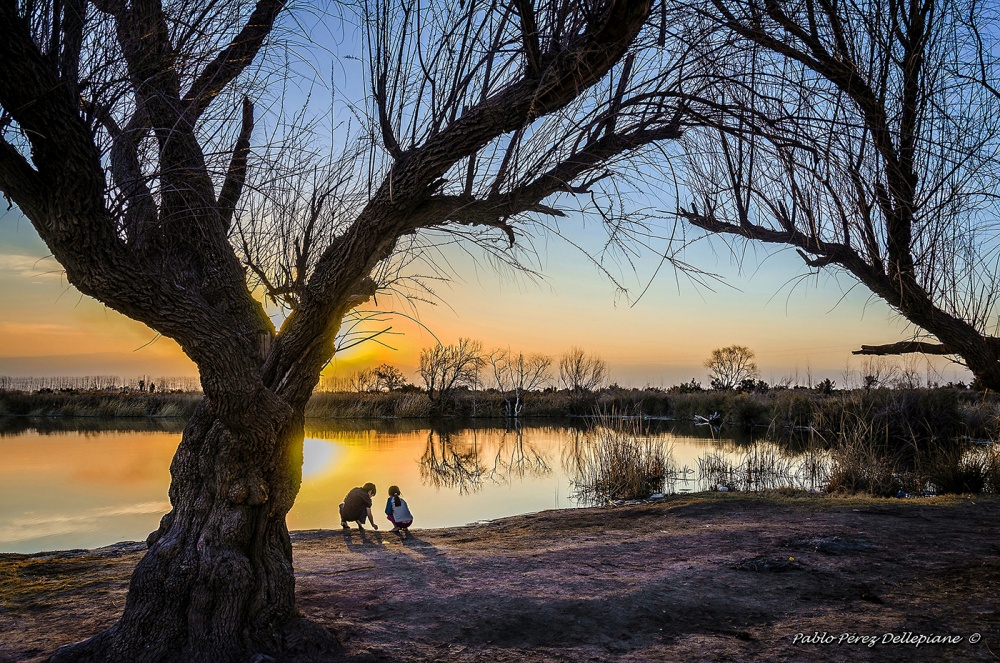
(797, 331)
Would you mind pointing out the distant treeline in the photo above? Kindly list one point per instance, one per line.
(904, 414)
(100, 383)
(941, 413)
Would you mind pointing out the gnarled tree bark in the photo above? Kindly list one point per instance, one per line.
(111, 167)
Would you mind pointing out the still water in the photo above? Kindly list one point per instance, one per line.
(63, 486)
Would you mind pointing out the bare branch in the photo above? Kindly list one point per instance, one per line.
(905, 347)
(233, 59)
(232, 188)
(388, 136)
(19, 181)
(529, 36)
(73, 27)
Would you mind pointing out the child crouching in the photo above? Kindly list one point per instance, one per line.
(398, 513)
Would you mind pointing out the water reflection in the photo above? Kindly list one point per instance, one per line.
(465, 460)
(85, 483)
(516, 457)
(445, 464)
(765, 466)
(14, 426)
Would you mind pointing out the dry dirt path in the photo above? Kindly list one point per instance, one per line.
(693, 578)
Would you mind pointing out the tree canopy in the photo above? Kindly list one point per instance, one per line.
(130, 140)
(865, 136)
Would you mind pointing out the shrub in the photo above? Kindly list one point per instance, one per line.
(620, 461)
(746, 412)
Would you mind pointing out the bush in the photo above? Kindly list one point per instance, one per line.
(746, 412)
(620, 461)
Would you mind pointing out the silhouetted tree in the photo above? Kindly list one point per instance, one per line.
(445, 367)
(516, 374)
(866, 135)
(581, 372)
(364, 381)
(389, 378)
(730, 366)
(126, 140)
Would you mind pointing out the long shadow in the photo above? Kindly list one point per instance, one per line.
(422, 547)
(362, 540)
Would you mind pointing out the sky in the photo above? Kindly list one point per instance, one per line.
(802, 330)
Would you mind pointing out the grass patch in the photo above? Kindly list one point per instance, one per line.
(619, 460)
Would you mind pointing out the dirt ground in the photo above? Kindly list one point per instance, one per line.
(715, 577)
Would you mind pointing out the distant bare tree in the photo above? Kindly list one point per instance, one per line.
(908, 376)
(380, 378)
(445, 367)
(389, 378)
(731, 365)
(131, 138)
(866, 135)
(364, 381)
(581, 372)
(516, 374)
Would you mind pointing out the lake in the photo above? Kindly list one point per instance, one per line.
(90, 483)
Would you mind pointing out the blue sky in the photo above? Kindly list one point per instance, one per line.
(799, 328)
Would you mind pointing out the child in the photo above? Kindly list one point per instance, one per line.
(357, 506)
(398, 513)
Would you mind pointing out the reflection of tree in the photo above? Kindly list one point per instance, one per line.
(443, 465)
(573, 450)
(456, 461)
(517, 458)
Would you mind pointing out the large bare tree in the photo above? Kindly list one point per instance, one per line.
(516, 375)
(731, 365)
(128, 128)
(866, 135)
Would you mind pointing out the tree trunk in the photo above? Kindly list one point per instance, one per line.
(978, 351)
(217, 583)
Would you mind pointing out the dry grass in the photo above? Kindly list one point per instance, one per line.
(619, 460)
(764, 466)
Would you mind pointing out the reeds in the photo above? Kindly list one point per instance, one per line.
(618, 460)
(102, 405)
(957, 467)
(764, 466)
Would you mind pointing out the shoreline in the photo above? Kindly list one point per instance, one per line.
(690, 577)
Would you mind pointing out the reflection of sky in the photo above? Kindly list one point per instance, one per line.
(317, 457)
(81, 491)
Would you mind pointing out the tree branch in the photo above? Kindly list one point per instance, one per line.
(233, 59)
(382, 103)
(19, 181)
(905, 347)
(62, 151)
(496, 210)
(69, 61)
(529, 36)
(140, 208)
(236, 176)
